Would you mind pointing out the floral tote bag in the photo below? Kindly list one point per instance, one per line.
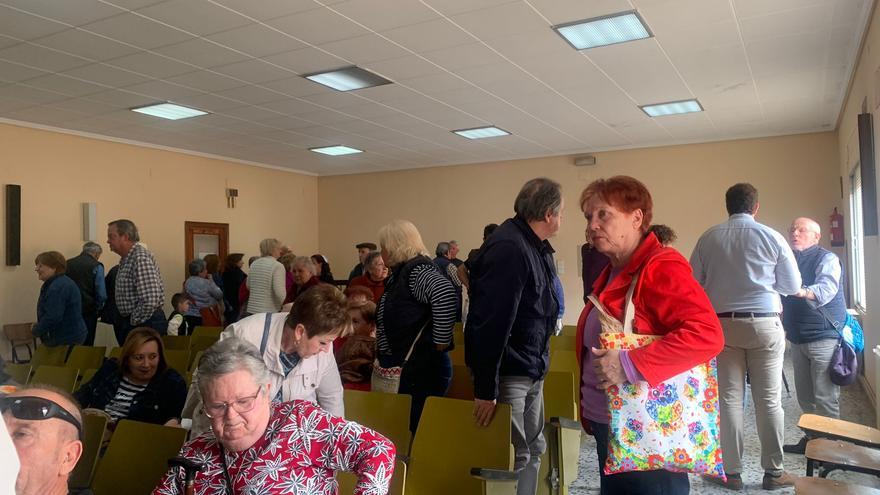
(672, 426)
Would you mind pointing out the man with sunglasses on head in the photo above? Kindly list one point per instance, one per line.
(45, 425)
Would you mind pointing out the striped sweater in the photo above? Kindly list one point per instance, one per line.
(266, 284)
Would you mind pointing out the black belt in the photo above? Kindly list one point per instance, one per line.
(743, 314)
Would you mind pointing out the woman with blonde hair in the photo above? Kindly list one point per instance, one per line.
(266, 280)
(415, 317)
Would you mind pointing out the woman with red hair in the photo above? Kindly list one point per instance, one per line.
(668, 301)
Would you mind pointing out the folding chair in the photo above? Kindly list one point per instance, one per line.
(86, 357)
(52, 356)
(461, 386)
(94, 426)
(177, 360)
(451, 454)
(58, 376)
(85, 377)
(821, 426)
(176, 342)
(136, 458)
(115, 353)
(200, 343)
(19, 335)
(18, 372)
(822, 486)
(207, 332)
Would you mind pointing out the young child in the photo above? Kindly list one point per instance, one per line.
(358, 350)
(177, 323)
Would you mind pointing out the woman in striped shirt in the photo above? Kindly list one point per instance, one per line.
(416, 313)
(139, 386)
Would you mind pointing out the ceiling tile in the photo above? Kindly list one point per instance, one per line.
(810, 19)
(137, 30)
(430, 35)
(504, 20)
(404, 68)
(12, 72)
(74, 12)
(752, 8)
(374, 13)
(365, 49)
(286, 122)
(642, 71)
(436, 83)
(151, 64)
(252, 95)
(64, 85)
(85, 44)
(269, 9)
(161, 90)
(464, 56)
(306, 60)
(296, 86)
(199, 17)
(26, 26)
(206, 81)
(83, 106)
(453, 7)
(787, 54)
(132, 4)
(122, 100)
(202, 53)
(715, 69)
(41, 58)
(209, 102)
(106, 75)
(564, 11)
(44, 115)
(318, 26)
(335, 100)
(29, 94)
(253, 71)
(252, 113)
(257, 40)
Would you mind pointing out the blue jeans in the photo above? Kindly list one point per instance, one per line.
(659, 482)
(428, 372)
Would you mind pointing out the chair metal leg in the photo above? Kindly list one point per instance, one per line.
(785, 383)
(809, 468)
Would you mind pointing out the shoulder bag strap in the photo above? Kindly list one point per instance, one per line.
(266, 327)
(416, 341)
(834, 323)
(629, 309)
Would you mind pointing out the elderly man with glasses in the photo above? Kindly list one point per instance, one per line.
(45, 425)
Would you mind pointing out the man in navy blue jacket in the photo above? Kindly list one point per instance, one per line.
(513, 313)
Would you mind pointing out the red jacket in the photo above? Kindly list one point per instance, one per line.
(668, 301)
(377, 288)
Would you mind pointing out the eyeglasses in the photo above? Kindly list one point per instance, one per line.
(37, 409)
(241, 405)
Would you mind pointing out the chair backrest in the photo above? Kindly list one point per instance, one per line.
(456, 355)
(178, 360)
(115, 352)
(52, 356)
(567, 361)
(569, 330)
(19, 372)
(208, 331)
(200, 343)
(559, 396)
(18, 332)
(194, 362)
(448, 444)
(94, 426)
(59, 376)
(136, 458)
(386, 413)
(86, 357)
(562, 343)
(180, 342)
(461, 386)
(85, 377)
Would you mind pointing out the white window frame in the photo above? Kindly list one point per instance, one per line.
(857, 244)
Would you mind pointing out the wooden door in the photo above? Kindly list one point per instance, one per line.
(205, 238)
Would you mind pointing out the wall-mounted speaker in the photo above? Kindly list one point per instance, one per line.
(90, 218)
(13, 224)
(584, 161)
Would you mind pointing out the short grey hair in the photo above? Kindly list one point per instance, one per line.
(127, 228)
(196, 266)
(306, 262)
(442, 249)
(92, 248)
(371, 258)
(268, 245)
(228, 356)
(537, 198)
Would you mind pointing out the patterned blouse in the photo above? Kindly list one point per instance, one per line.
(302, 447)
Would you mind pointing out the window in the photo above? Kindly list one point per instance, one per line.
(858, 256)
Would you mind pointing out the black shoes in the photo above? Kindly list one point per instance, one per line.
(796, 448)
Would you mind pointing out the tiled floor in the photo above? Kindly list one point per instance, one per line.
(854, 406)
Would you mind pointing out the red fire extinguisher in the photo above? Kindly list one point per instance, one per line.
(836, 229)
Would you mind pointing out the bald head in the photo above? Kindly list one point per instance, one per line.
(48, 449)
(804, 233)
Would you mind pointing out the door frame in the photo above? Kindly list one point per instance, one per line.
(190, 229)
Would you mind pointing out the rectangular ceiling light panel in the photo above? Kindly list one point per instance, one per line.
(348, 79)
(169, 111)
(605, 30)
(481, 132)
(672, 108)
(336, 150)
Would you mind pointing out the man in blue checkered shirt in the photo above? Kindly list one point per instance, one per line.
(140, 292)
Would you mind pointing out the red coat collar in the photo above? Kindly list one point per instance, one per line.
(646, 249)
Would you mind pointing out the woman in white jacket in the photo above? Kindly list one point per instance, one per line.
(298, 350)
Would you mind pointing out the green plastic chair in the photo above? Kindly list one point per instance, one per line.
(86, 357)
(52, 356)
(562, 343)
(207, 332)
(452, 454)
(177, 342)
(116, 352)
(18, 372)
(85, 377)
(136, 458)
(199, 343)
(177, 360)
(94, 426)
(58, 376)
(461, 386)
(386, 413)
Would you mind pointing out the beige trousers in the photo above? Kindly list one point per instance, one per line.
(756, 346)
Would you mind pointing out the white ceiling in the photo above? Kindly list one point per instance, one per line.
(759, 68)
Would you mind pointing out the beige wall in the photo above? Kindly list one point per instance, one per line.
(864, 90)
(157, 189)
(796, 176)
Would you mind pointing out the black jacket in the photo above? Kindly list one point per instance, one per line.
(162, 399)
(513, 307)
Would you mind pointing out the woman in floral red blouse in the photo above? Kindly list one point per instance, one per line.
(263, 448)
